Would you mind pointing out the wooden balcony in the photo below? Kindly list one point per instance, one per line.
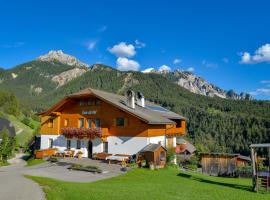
(171, 132)
(85, 133)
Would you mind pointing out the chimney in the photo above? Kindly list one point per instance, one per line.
(140, 99)
(131, 99)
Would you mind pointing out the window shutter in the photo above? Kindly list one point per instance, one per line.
(114, 122)
(126, 122)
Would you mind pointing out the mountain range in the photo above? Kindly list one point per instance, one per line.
(218, 120)
(67, 68)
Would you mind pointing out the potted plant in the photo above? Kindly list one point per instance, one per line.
(151, 165)
(143, 163)
(79, 154)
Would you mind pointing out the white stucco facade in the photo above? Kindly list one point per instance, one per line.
(116, 145)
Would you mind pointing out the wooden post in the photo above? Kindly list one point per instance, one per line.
(254, 174)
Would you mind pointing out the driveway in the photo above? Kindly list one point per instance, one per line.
(14, 186)
(59, 170)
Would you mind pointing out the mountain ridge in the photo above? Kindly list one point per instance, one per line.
(76, 68)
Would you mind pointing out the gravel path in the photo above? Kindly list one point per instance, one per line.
(14, 186)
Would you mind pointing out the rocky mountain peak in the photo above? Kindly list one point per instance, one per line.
(60, 56)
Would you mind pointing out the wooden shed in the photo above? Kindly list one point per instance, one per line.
(154, 153)
(222, 164)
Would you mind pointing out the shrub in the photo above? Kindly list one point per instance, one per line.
(245, 171)
(7, 146)
(89, 168)
(53, 159)
(170, 155)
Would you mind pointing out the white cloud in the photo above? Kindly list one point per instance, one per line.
(265, 81)
(148, 70)
(103, 28)
(245, 58)
(262, 54)
(139, 44)
(177, 61)
(164, 68)
(13, 45)
(125, 64)
(226, 60)
(208, 64)
(190, 69)
(91, 45)
(261, 91)
(123, 50)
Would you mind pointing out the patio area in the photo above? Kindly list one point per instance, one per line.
(60, 171)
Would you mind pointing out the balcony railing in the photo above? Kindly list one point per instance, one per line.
(84, 133)
(175, 131)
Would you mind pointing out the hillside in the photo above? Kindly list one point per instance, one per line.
(214, 124)
(22, 119)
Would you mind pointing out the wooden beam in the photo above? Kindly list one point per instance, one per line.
(254, 177)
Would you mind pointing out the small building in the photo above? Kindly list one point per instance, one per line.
(184, 147)
(154, 153)
(222, 164)
(6, 124)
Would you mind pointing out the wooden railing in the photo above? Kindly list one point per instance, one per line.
(175, 131)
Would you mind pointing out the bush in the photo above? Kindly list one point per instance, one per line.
(191, 167)
(53, 159)
(7, 146)
(245, 171)
(170, 155)
(89, 168)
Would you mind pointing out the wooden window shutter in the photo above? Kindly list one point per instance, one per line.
(114, 122)
(126, 122)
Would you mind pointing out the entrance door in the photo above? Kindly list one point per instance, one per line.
(90, 149)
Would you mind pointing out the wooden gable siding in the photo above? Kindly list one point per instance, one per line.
(72, 112)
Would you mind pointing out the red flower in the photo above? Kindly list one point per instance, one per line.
(90, 133)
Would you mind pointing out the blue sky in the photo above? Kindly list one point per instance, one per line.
(226, 42)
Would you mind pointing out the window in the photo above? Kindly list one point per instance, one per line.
(50, 143)
(90, 123)
(66, 122)
(90, 102)
(105, 147)
(78, 144)
(98, 124)
(68, 144)
(98, 102)
(50, 123)
(81, 102)
(81, 122)
(120, 121)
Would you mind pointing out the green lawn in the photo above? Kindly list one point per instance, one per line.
(143, 184)
(33, 161)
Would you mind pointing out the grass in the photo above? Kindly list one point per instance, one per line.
(143, 184)
(3, 164)
(25, 136)
(33, 161)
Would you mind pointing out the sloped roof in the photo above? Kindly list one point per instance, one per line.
(228, 155)
(151, 147)
(144, 113)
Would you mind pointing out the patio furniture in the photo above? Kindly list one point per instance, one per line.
(67, 153)
(117, 159)
(101, 156)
